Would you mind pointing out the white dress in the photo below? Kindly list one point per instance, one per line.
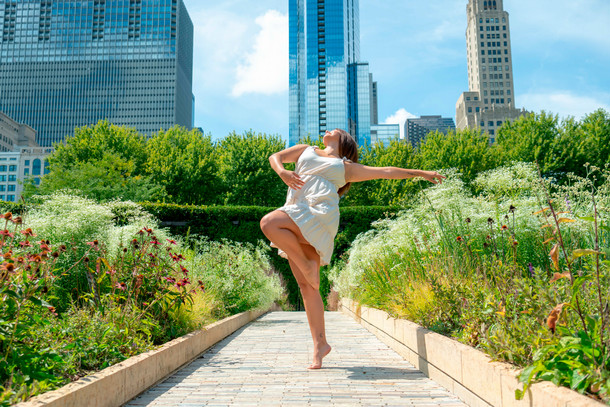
(315, 207)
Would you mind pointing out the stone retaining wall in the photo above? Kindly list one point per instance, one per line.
(461, 369)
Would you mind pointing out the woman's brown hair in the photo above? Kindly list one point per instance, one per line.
(347, 149)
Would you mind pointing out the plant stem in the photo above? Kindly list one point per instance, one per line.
(599, 287)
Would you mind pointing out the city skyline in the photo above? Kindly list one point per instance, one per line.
(560, 54)
(67, 64)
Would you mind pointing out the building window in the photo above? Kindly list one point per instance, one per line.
(2, 167)
(508, 100)
(502, 100)
(10, 198)
(477, 109)
(484, 93)
(36, 167)
(491, 132)
(482, 124)
(12, 178)
(476, 98)
(491, 124)
(2, 178)
(484, 84)
(485, 101)
(37, 181)
(483, 60)
(26, 171)
(504, 35)
(469, 109)
(2, 188)
(503, 19)
(12, 168)
(481, 28)
(1, 197)
(508, 92)
(503, 28)
(11, 188)
(482, 52)
(27, 162)
(498, 123)
(467, 97)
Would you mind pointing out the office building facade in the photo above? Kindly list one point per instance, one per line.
(491, 96)
(327, 79)
(21, 159)
(66, 64)
(384, 133)
(416, 129)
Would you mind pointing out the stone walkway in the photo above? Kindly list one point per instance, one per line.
(264, 364)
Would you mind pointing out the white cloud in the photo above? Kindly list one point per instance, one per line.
(563, 103)
(400, 117)
(265, 69)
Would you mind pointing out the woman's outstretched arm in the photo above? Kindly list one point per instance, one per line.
(358, 172)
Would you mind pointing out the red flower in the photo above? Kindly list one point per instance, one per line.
(52, 310)
(504, 227)
(6, 232)
(459, 238)
(171, 241)
(28, 232)
(94, 245)
(184, 270)
(25, 244)
(120, 286)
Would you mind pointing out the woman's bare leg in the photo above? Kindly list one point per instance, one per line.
(285, 234)
(314, 308)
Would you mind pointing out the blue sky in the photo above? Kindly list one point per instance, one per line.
(416, 51)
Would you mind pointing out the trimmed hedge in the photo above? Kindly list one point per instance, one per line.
(242, 224)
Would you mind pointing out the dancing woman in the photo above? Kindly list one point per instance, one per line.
(304, 228)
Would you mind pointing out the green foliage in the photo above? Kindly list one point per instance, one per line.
(107, 287)
(496, 269)
(184, 162)
(468, 151)
(103, 162)
(390, 192)
(244, 170)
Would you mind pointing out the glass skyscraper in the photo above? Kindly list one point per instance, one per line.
(327, 79)
(72, 63)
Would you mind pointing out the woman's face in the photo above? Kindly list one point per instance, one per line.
(331, 137)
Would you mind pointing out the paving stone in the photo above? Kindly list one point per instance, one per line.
(264, 364)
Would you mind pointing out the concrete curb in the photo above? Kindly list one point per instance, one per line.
(466, 372)
(116, 385)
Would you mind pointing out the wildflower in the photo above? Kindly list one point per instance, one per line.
(52, 310)
(504, 227)
(25, 244)
(170, 279)
(6, 232)
(201, 285)
(156, 242)
(171, 241)
(94, 245)
(8, 255)
(140, 232)
(62, 248)
(86, 259)
(531, 268)
(18, 220)
(124, 250)
(490, 221)
(111, 272)
(184, 270)
(8, 216)
(20, 260)
(488, 237)
(512, 209)
(120, 286)
(28, 232)
(485, 245)
(515, 243)
(459, 238)
(10, 267)
(182, 282)
(468, 220)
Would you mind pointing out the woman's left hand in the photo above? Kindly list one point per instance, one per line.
(434, 177)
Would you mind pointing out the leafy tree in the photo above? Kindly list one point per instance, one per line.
(103, 180)
(103, 162)
(184, 162)
(530, 138)
(467, 150)
(384, 192)
(244, 170)
(91, 143)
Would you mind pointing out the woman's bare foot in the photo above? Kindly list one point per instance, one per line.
(318, 355)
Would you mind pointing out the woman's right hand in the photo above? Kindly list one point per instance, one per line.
(292, 179)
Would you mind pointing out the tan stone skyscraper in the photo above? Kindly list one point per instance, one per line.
(490, 100)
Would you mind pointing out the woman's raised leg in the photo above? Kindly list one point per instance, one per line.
(281, 230)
